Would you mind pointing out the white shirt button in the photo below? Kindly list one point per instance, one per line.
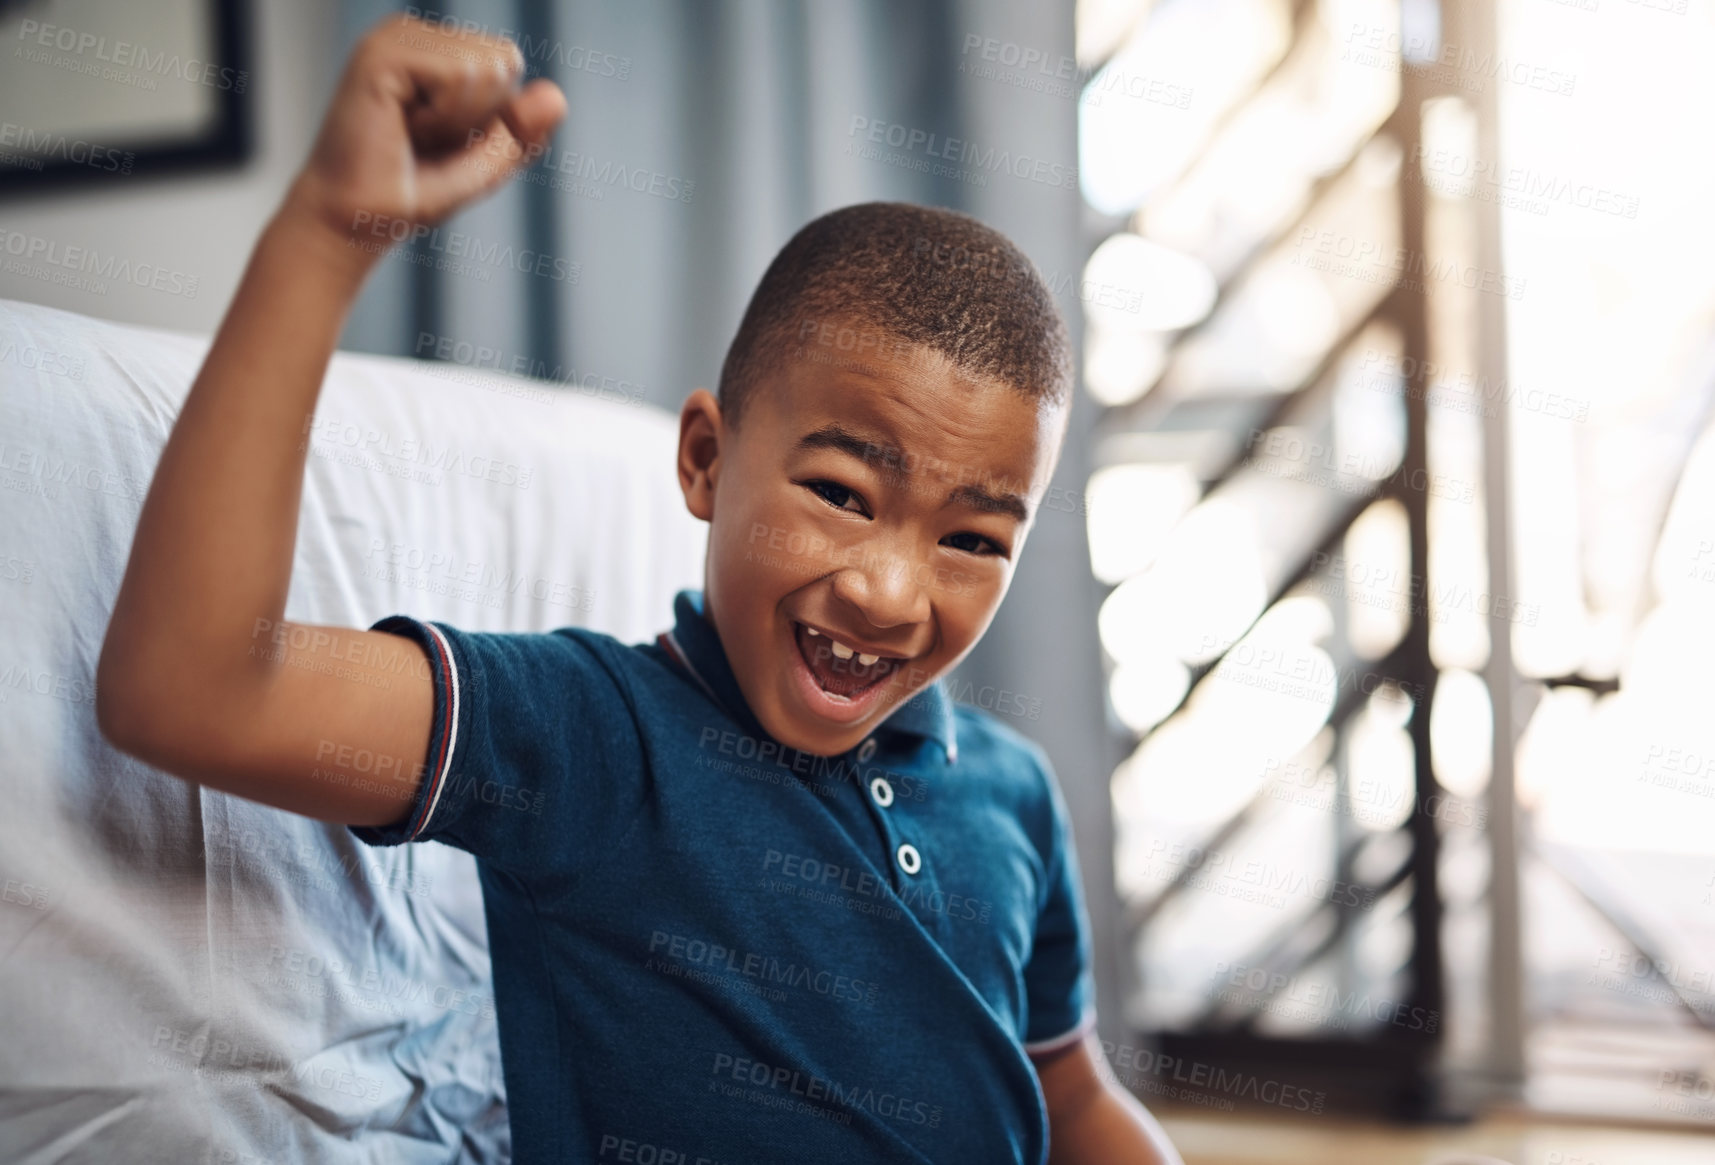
(909, 860)
(881, 791)
(867, 751)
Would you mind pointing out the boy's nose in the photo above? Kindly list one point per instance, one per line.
(885, 590)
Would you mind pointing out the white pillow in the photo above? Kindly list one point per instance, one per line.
(189, 976)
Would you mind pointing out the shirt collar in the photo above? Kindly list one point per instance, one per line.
(694, 641)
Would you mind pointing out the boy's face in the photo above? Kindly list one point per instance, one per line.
(865, 518)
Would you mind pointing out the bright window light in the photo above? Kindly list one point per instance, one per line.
(1145, 114)
(1132, 510)
(1120, 367)
(1205, 588)
(1135, 285)
(1461, 731)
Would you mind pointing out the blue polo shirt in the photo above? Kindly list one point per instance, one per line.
(712, 949)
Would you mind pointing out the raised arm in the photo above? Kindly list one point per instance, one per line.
(199, 673)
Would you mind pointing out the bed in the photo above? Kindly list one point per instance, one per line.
(188, 976)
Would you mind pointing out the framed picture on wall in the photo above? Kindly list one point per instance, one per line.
(97, 91)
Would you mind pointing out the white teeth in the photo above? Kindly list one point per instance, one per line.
(841, 651)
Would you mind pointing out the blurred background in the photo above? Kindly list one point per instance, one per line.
(1365, 621)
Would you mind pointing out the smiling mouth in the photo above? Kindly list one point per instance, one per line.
(840, 670)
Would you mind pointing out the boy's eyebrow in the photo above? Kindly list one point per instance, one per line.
(838, 437)
(846, 441)
(979, 498)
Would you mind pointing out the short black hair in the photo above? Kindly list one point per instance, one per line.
(910, 275)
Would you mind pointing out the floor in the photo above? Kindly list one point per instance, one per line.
(1229, 1139)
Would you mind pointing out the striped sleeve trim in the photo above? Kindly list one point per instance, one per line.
(1053, 1044)
(446, 744)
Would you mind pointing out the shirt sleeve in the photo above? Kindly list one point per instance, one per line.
(534, 758)
(1059, 987)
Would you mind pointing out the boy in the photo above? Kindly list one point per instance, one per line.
(775, 899)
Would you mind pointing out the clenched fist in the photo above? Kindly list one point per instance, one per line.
(401, 141)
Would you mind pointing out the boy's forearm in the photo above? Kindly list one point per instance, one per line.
(214, 544)
(1114, 1129)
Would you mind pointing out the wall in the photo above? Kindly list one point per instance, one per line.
(200, 224)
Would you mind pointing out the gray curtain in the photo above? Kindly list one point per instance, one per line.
(753, 104)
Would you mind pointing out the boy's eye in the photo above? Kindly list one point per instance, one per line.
(974, 544)
(836, 495)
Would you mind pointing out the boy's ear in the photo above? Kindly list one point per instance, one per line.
(700, 434)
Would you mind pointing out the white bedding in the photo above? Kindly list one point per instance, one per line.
(185, 976)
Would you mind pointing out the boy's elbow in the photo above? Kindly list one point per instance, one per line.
(170, 716)
(120, 713)
(134, 705)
